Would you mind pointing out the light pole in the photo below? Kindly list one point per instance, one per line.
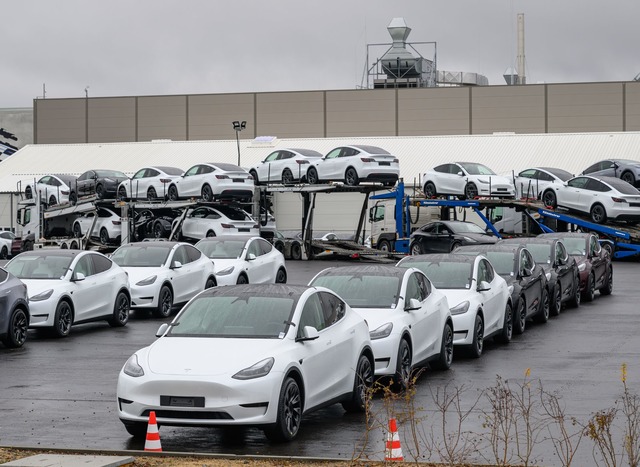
(239, 126)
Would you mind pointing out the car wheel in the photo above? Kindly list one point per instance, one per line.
(543, 310)
(430, 190)
(77, 230)
(122, 192)
(520, 318)
(549, 199)
(158, 230)
(165, 302)
(120, 311)
(136, 429)
(351, 177)
(151, 193)
(4, 253)
(207, 192)
(211, 282)
(73, 198)
(445, 358)
(477, 344)
(254, 174)
(598, 214)
(289, 412)
(629, 178)
(64, 246)
(455, 245)
(608, 285)
(52, 200)
(99, 191)
(296, 251)
(172, 193)
(402, 378)
(63, 319)
(287, 177)
(312, 176)
(210, 234)
(470, 191)
(28, 193)
(384, 245)
(281, 276)
(575, 300)
(242, 279)
(507, 326)
(74, 245)
(555, 305)
(279, 246)
(104, 236)
(363, 381)
(415, 248)
(17, 331)
(590, 290)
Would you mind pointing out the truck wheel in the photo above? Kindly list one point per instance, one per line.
(384, 245)
(296, 251)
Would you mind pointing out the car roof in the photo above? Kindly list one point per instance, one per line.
(305, 152)
(440, 257)
(369, 149)
(523, 240)
(228, 237)
(373, 269)
(225, 166)
(510, 247)
(158, 243)
(561, 235)
(65, 177)
(54, 252)
(274, 290)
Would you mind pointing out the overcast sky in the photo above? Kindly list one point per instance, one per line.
(148, 47)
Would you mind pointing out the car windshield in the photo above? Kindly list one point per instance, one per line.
(110, 173)
(243, 315)
(234, 214)
(171, 170)
(465, 227)
(140, 256)
(541, 252)
(473, 168)
(444, 274)
(221, 248)
(363, 290)
(561, 174)
(575, 246)
(502, 261)
(44, 266)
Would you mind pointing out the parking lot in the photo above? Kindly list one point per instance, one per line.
(60, 393)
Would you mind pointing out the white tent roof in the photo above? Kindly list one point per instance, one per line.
(502, 152)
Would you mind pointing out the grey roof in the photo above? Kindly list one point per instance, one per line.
(281, 290)
(483, 247)
(373, 269)
(434, 258)
(156, 243)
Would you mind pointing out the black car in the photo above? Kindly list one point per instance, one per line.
(14, 310)
(526, 280)
(594, 262)
(561, 269)
(102, 183)
(446, 236)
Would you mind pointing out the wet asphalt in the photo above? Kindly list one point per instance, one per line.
(60, 393)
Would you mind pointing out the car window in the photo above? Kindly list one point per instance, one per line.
(596, 185)
(192, 171)
(152, 173)
(7, 235)
(593, 168)
(100, 263)
(192, 253)
(594, 245)
(139, 174)
(425, 284)
(526, 261)
(272, 157)
(561, 253)
(348, 152)
(104, 213)
(430, 228)
(180, 255)
(414, 290)
(254, 248)
(44, 180)
(265, 246)
(333, 308)
(3, 275)
(578, 182)
(333, 154)
(286, 155)
(84, 266)
(312, 314)
(544, 176)
(205, 169)
(485, 271)
(529, 173)
(442, 168)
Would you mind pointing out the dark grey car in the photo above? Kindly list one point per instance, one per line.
(14, 310)
(625, 169)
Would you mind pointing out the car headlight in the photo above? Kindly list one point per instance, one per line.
(147, 281)
(548, 276)
(226, 271)
(469, 239)
(510, 289)
(460, 308)
(132, 367)
(582, 267)
(382, 332)
(41, 296)
(262, 368)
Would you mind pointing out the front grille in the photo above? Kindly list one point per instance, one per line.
(188, 415)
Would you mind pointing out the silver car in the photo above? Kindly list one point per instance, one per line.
(625, 169)
(14, 310)
(284, 166)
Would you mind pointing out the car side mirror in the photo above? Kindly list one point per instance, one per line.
(251, 257)
(162, 329)
(461, 174)
(309, 333)
(414, 304)
(77, 277)
(176, 265)
(483, 286)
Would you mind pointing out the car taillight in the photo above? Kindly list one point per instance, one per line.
(257, 226)
(250, 177)
(395, 161)
(366, 159)
(302, 161)
(115, 222)
(227, 226)
(618, 200)
(221, 177)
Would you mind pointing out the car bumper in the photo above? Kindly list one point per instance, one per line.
(229, 188)
(42, 313)
(227, 279)
(496, 190)
(624, 213)
(463, 328)
(386, 355)
(379, 173)
(250, 402)
(144, 296)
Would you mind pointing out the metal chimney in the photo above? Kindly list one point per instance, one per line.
(521, 74)
(398, 62)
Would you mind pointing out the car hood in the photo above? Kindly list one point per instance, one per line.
(457, 296)
(36, 286)
(376, 317)
(138, 274)
(223, 263)
(196, 356)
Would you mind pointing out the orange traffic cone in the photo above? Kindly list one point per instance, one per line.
(393, 451)
(153, 436)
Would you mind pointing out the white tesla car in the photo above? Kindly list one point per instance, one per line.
(53, 189)
(149, 183)
(212, 180)
(68, 287)
(258, 355)
(353, 164)
(284, 166)
(6, 240)
(531, 183)
(107, 225)
(209, 221)
(164, 274)
(244, 260)
(479, 298)
(466, 180)
(409, 319)
(601, 198)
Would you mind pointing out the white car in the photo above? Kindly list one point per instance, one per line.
(284, 166)
(353, 164)
(244, 260)
(601, 198)
(531, 183)
(209, 221)
(68, 287)
(479, 298)
(409, 319)
(53, 189)
(163, 274)
(466, 180)
(6, 239)
(107, 227)
(149, 183)
(255, 354)
(212, 180)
